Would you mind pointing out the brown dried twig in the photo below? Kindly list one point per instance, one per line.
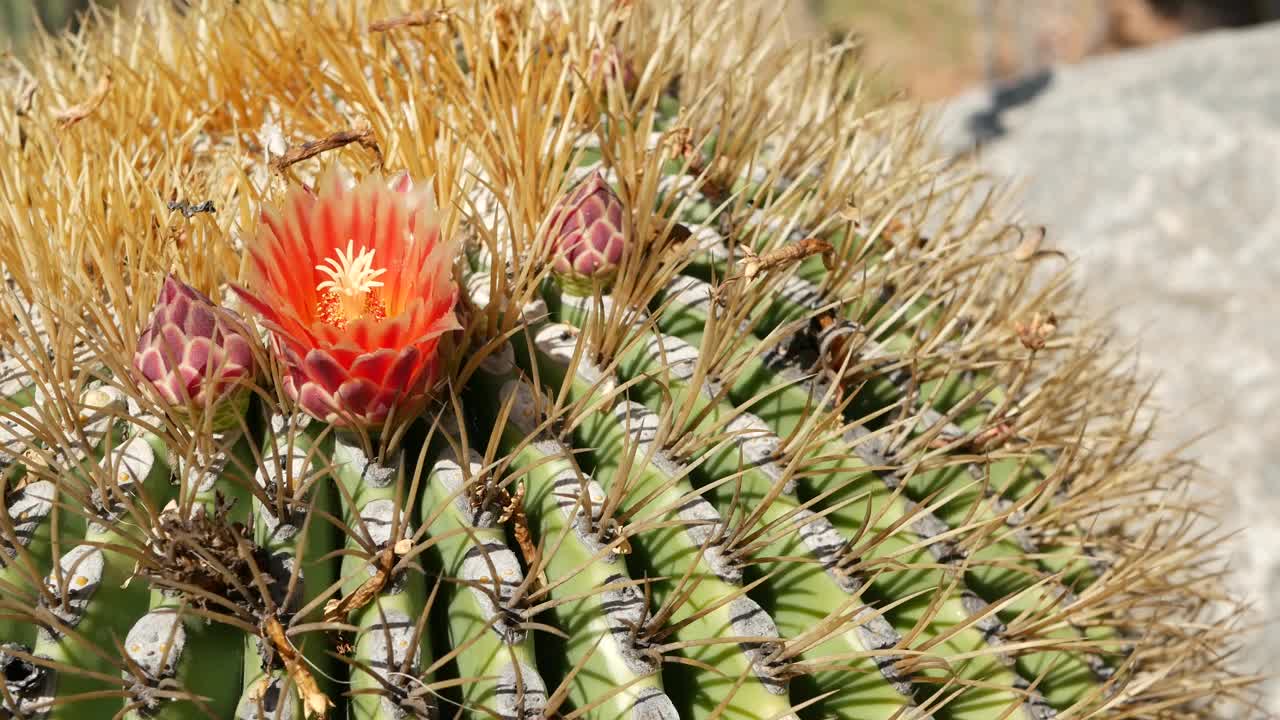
(754, 265)
(418, 19)
(74, 114)
(520, 525)
(314, 702)
(342, 138)
(338, 610)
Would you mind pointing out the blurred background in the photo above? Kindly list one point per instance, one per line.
(1145, 134)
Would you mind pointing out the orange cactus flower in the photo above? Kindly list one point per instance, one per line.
(356, 286)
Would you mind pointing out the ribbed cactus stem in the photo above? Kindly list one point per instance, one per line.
(176, 659)
(389, 645)
(95, 600)
(707, 603)
(674, 363)
(45, 518)
(593, 598)
(485, 608)
(741, 473)
(788, 397)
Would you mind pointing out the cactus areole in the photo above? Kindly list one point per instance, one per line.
(627, 414)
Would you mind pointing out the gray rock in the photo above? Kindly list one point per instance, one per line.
(1159, 172)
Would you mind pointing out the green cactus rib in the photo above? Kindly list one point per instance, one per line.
(942, 401)
(28, 556)
(39, 509)
(390, 645)
(297, 540)
(1007, 481)
(178, 659)
(865, 681)
(957, 623)
(992, 575)
(171, 646)
(592, 596)
(495, 651)
(1014, 480)
(726, 636)
(91, 594)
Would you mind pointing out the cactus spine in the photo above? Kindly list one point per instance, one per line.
(668, 380)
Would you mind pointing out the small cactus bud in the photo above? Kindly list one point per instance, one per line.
(195, 354)
(585, 231)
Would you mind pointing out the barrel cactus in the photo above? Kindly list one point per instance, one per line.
(586, 359)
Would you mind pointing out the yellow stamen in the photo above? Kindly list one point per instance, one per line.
(348, 293)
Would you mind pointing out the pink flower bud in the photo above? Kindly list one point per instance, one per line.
(586, 232)
(195, 354)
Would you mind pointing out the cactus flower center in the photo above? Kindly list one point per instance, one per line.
(351, 290)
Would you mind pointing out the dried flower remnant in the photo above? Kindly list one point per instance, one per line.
(586, 234)
(1034, 335)
(195, 354)
(608, 65)
(356, 286)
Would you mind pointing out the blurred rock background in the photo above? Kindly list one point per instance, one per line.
(1146, 135)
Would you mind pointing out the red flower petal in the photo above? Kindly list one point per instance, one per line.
(357, 396)
(321, 367)
(375, 366)
(316, 401)
(402, 372)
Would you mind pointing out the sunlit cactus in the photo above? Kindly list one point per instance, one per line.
(705, 391)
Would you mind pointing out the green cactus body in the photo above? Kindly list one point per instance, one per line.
(172, 650)
(387, 636)
(680, 554)
(753, 481)
(954, 497)
(941, 397)
(498, 668)
(42, 508)
(299, 544)
(544, 412)
(673, 362)
(96, 601)
(595, 601)
(30, 512)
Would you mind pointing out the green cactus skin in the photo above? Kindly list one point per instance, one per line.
(172, 644)
(101, 603)
(597, 604)
(294, 474)
(825, 590)
(30, 517)
(376, 507)
(45, 507)
(952, 614)
(716, 606)
(482, 609)
(1063, 677)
